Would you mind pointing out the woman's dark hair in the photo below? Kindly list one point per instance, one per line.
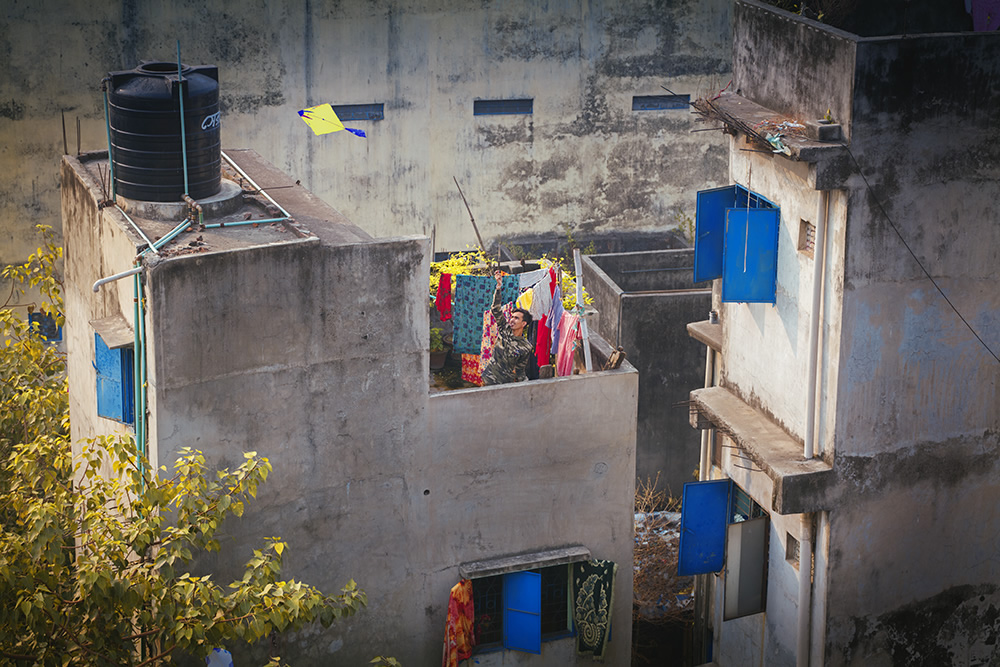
(525, 314)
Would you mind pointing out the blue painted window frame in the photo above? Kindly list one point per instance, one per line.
(755, 237)
(114, 381)
(704, 516)
(375, 111)
(522, 602)
(503, 107)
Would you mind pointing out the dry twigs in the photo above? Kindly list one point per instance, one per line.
(658, 594)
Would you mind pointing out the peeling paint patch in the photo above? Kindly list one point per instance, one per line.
(499, 135)
(250, 103)
(13, 110)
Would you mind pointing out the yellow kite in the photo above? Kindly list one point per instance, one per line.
(323, 120)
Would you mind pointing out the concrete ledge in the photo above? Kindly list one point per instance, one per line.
(521, 562)
(707, 333)
(800, 485)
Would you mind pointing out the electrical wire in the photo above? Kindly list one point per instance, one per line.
(914, 255)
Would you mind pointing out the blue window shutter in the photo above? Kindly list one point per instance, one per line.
(114, 381)
(709, 231)
(704, 511)
(522, 614)
(109, 380)
(750, 264)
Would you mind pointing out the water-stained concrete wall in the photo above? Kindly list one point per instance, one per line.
(582, 162)
(645, 301)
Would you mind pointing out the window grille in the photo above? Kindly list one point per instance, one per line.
(742, 506)
(502, 107)
(807, 238)
(487, 601)
(792, 550)
(660, 102)
(47, 327)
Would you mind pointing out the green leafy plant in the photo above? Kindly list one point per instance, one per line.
(437, 340)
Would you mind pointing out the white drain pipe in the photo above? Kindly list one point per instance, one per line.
(819, 262)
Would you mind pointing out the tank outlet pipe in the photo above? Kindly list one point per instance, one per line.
(180, 97)
(219, 225)
(256, 187)
(171, 235)
(136, 228)
(107, 130)
(117, 276)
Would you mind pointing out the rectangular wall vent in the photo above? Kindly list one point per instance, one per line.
(502, 107)
(359, 111)
(660, 102)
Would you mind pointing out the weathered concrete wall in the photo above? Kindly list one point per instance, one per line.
(490, 454)
(651, 327)
(314, 356)
(583, 161)
(792, 65)
(918, 408)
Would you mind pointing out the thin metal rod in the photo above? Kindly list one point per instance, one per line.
(180, 96)
(257, 187)
(107, 129)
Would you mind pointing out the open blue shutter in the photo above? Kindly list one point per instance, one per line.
(750, 265)
(709, 231)
(704, 511)
(114, 381)
(522, 614)
(109, 380)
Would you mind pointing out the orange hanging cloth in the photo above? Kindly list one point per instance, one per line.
(458, 637)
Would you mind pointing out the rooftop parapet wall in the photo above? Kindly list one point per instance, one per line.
(792, 65)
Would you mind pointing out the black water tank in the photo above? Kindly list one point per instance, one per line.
(146, 131)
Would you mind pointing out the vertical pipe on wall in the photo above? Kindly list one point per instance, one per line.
(180, 98)
(819, 262)
(805, 592)
(821, 560)
(704, 460)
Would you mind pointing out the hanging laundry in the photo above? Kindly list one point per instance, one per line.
(458, 637)
(593, 601)
(529, 278)
(569, 334)
(442, 301)
(541, 310)
(471, 371)
(541, 301)
(473, 297)
(555, 318)
(491, 331)
(526, 298)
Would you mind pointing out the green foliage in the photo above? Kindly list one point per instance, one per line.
(95, 573)
(33, 398)
(686, 226)
(94, 552)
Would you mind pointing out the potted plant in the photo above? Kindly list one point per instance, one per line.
(439, 348)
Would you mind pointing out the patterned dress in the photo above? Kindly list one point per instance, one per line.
(510, 353)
